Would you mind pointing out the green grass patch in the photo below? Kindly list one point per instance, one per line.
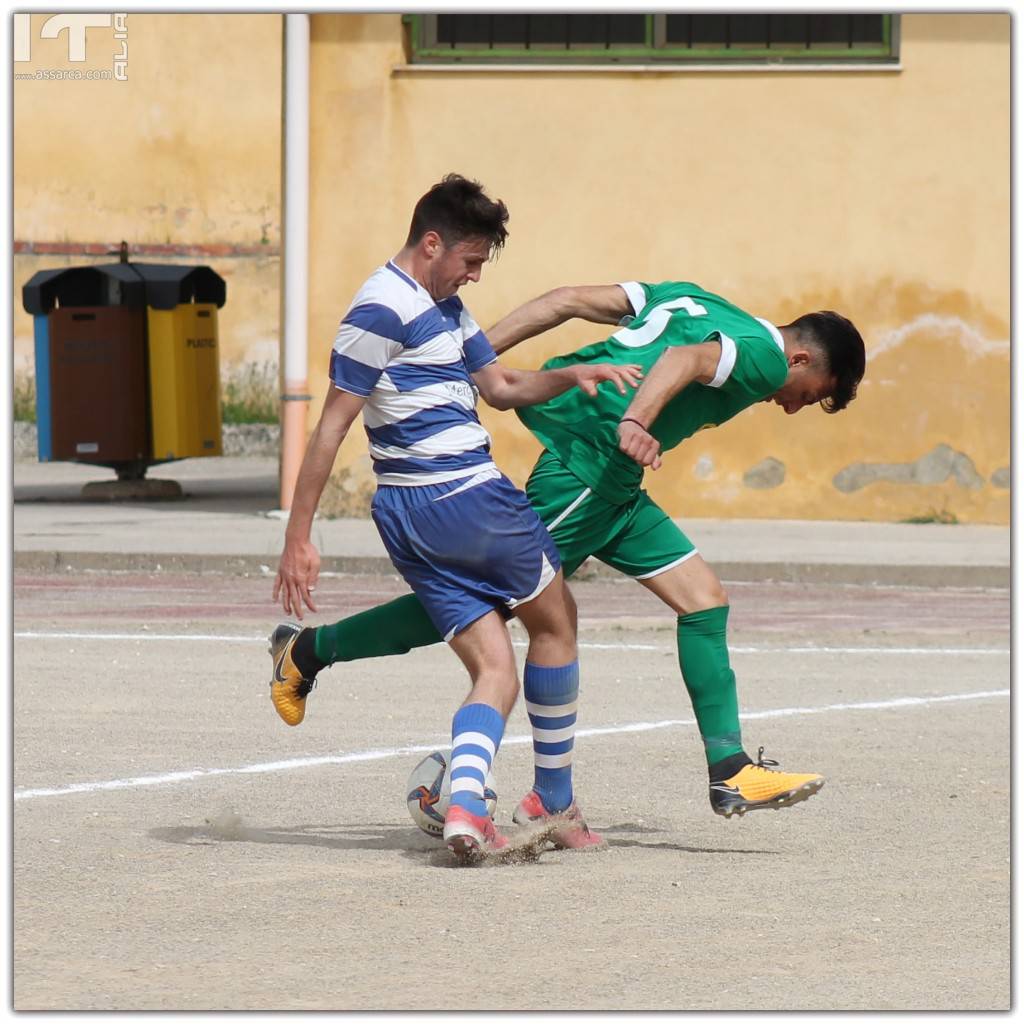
(249, 393)
(944, 516)
(25, 397)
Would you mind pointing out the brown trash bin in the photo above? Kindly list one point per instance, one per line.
(123, 349)
(98, 384)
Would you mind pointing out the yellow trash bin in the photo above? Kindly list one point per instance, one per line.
(184, 381)
(184, 359)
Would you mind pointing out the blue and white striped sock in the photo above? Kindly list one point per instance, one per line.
(551, 703)
(476, 735)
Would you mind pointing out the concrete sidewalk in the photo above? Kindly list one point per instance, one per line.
(225, 523)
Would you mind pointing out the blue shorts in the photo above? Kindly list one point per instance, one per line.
(466, 550)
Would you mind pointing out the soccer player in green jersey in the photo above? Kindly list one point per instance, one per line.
(704, 361)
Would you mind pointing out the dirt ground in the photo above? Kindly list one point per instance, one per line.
(177, 847)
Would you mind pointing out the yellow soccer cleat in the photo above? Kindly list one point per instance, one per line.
(288, 689)
(761, 785)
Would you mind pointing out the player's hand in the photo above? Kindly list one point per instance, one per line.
(588, 376)
(639, 445)
(296, 577)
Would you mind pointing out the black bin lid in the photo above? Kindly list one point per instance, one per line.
(168, 285)
(107, 285)
(160, 285)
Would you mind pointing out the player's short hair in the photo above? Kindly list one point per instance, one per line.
(843, 349)
(457, 209)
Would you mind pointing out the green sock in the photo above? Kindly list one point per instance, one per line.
(393, 628)
(711, 683)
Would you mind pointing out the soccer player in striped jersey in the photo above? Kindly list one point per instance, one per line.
(410, 358)
(705, 360)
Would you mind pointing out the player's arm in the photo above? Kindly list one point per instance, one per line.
(505, 388)
(300, 561)
(675, 368)
(600, 304)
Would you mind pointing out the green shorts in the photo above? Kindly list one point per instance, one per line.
(637, 538)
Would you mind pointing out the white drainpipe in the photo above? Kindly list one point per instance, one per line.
(295, 395)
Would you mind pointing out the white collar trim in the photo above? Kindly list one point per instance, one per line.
(774, 332)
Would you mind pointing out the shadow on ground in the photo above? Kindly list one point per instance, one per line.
(411, 842)
(250, 495)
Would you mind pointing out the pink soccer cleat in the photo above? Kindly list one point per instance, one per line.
(471, 836)
(575, 834)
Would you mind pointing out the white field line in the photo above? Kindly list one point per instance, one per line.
(229, 639)
(378, 755)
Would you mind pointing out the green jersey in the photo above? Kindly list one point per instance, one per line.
(582, 431)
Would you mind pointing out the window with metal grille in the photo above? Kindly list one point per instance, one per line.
(653, 38)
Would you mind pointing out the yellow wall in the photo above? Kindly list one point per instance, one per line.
(882, 194)
(186, 152)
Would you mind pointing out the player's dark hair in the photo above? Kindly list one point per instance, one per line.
(457, 209)
(843, 349)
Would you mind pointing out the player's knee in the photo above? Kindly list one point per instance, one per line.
(571, 611)
(553, 643)
(711, 596)
(561, 640)
(706, 593)
(564, 630)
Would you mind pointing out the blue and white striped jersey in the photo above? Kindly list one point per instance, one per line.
(411, 359)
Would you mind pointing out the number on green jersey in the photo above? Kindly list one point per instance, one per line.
(656, 320)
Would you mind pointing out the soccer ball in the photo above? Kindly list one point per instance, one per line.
(429, 792)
